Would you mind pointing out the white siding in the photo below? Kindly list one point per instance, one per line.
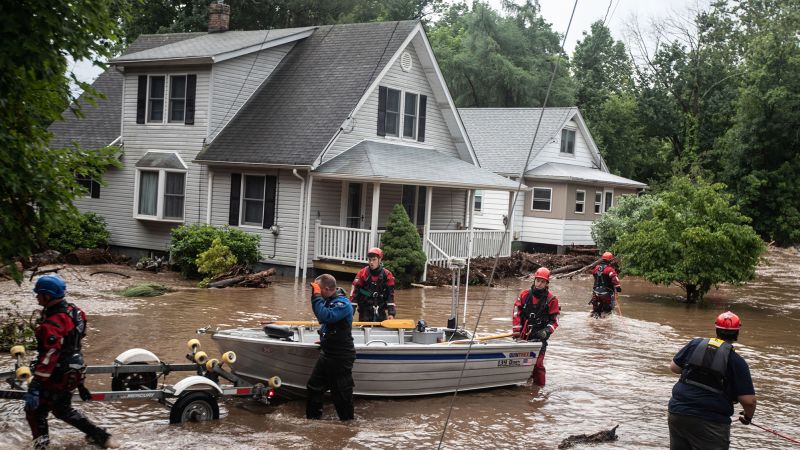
(437, 134)
(556, 232)
(235, 80)
(551, 152)
(447, 212)
(495, 206)
(325, 206)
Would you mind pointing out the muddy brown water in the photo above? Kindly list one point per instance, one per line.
(600, 372)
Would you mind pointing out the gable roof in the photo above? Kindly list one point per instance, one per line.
(207, 48)
(391, 162)
(101, 124)
(502, 137)
(309, 95)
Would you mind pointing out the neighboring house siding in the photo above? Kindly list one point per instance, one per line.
(495, 206)
(551, 152)
(437, 134)
(116, 202)
(577, 232)
(447, 212)
(556, 231)
(235, 80)
(558, 199)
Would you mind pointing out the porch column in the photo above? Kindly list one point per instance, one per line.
(469, 249)
(376, 202)
(512, 206)
(427, 228)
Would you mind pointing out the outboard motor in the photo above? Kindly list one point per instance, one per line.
(421, 325)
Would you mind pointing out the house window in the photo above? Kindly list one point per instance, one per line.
(90, 184)
(177, 98)
(393, 113)
(155, 99)
(478, 201)
(609, 200)
(541, 199)
(410, 116)
(580, 201)
(568, 141)
(598, 202)
(258, 200)
(160, 187)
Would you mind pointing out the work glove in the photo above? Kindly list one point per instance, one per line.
(744, 419)
(315, 289)
(32, 397)
(543, 334)
(515, 335)
(84, 393)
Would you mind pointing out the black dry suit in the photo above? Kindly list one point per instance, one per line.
(707, 364)
(535, 317)
(375, 299)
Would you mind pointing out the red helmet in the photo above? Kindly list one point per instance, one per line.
(375, 251)
(543, 273)
(608, 256)
(728, 321)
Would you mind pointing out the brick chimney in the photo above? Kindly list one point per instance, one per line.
(219, 15)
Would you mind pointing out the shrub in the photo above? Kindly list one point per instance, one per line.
(216, 260)
(16, 328)
(86, 230)
(144, 290)
(402, 247)
(189, 241)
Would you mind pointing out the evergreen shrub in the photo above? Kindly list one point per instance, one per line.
(402, 248)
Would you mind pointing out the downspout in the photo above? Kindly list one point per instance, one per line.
(307, 225)
(299, 223)
(210, 190)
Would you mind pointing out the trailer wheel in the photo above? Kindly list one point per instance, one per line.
(194, 406)
(134, 381)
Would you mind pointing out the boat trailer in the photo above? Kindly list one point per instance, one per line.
(135, 374)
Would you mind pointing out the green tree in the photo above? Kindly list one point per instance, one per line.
(188, 242)
(695, 238)
(621, 219)
(215, 261)
(402, 247)
(37, 183)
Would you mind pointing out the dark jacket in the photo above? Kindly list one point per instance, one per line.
(335, 315)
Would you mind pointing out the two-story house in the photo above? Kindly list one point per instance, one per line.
(571, 185)
(306, 136)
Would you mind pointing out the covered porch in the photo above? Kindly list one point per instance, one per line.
(414, 177)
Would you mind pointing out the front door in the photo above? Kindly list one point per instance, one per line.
(355, 215)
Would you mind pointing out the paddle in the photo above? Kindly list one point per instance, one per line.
(484, 338)
(389, 323)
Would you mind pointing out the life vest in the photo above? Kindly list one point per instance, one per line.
(70, 368)
(707, 365)
(375, 292)
(536, 315)
(602, 282)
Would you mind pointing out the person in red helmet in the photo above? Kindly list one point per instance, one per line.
(535, 318)
(373, 290)
(713, 378)
(606, 286)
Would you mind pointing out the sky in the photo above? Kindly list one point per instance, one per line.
(557, 13)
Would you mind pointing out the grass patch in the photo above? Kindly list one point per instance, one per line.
(144, 290)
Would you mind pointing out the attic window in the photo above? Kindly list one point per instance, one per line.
(568, 141)
(406, 62)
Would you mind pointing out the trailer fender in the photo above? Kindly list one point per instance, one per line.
(137, 355)
(194, 383)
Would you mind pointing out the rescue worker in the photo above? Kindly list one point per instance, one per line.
(536, 318)
(334, 368)
(606, 286)
(58, 369)
(373, 290)
(713, 378)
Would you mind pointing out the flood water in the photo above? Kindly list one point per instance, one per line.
(600, 373)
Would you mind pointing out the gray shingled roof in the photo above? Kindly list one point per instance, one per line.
(208, 45)
(308, 96)
(501, 137)
(100, 124)
(396, 163)
(568, 172)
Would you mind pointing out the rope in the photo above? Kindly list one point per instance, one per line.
(502, 241)
(770, 430)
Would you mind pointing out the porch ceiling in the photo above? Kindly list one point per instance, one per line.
(388, 162)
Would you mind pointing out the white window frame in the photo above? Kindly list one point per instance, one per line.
(582, 203)
(598, 205)
(533, 198)
(164, 99)
(168, 97)
(402, 114)
(574, 141)
(611, 203)
(242, 199)
(415, 128)
(160, 197)
(399, 113)
(477, 195)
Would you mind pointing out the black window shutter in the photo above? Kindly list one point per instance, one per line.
(95, 189)
(423, 107)
(191, 87)
(141, 99)
(269, 201)
(236, 188)
(382, 94)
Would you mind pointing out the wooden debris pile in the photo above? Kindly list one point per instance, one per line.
(241, 277)
(594, 438)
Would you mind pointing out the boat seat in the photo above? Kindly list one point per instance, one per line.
(278, 332)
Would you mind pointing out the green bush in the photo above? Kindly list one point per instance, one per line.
(189, 241)
(144, 290)
(16, 328)
(216, 260)
(86, 230)
(402, 248)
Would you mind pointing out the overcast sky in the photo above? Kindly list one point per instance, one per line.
(557, 12)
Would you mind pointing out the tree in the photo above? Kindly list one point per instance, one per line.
(696, 238)
(37, 183)
(630, 210)
(402, 247)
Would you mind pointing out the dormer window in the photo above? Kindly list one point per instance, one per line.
(152, 99)
(399, 110)
(568, 141)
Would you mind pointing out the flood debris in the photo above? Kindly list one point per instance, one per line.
(144, 290)
(595, 438)
(240, 277)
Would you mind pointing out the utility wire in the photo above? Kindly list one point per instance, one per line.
(502, 241)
